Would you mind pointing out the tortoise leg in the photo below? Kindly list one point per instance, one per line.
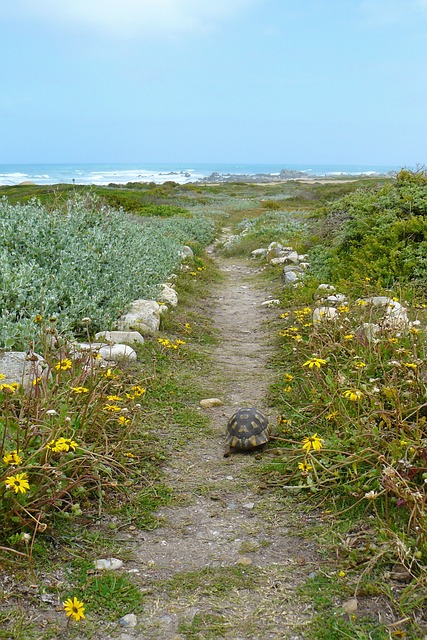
(227, 451)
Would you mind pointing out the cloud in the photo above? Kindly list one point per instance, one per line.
(131, 18)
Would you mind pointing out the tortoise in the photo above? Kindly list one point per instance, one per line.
(247, 429)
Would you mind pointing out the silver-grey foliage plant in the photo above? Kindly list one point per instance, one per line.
(82, 260)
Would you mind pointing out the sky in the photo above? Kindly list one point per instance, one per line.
(242, 81)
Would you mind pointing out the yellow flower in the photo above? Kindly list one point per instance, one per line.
(122, 420)
(343, 308)
(361, 303)
(2, 376)
(109, 374)
(37, 381)
(12, 458)
(64, 365)
(332, 415)
(62, 444)
(114, 398)
(80, 389)
(38, 319)
(314, 362)
(74, 608)
(138, 390)
(349, 336)
(19, 483)
(128, 454)
(353, 394)
(111, 407)
(284, 315)
(65, 444)
(287, 389)
(178, 341)
(9, 388)
(288, 377)
(341, 574)
(304, 467)
(403, 442)
(312, 442)
(410, 365)
(360, 365)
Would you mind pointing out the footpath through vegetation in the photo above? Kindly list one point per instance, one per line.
(121, 517)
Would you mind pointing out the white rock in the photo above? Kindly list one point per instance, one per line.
(293, 267)
(338, 298)
(270, 303)
(326, 287)
(23, 368)
(368, 330)
(395, 314)
(110, 564)
(186, 253)
(168, 295)
(273, 251)
(304, 265)
(143, 316)
(259, 253)
(292, 256)
(117, 352)
(322, 314)
(130, 620)
(119, 336)
(279, 260)
(290, 277)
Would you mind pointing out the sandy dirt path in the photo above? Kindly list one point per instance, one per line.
(228, 558)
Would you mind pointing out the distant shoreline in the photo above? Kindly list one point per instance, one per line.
(105, 174)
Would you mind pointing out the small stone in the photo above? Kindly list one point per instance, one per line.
(270, 303)
(130, 620)
(259, 253)
(244, 561)
(312, 575)
(248, 505)
(117, 353)
(110, 564)
(207, 403)
(350, 606)
(120, 336)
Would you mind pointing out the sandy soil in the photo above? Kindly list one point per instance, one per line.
(228, 559)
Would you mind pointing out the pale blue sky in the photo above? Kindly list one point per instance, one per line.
(274, 81)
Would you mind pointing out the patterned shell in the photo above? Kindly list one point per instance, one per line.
(246, 429)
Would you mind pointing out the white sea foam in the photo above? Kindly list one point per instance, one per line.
(104, 174)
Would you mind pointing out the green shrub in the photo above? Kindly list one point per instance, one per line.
(82, 260)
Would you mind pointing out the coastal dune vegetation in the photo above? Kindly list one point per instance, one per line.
(351, 435)
(83, 258)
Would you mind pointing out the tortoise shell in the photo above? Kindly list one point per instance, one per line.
(247, 429)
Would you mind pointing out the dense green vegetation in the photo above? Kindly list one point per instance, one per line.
(83, 259)
(380, 232)
(351, 436)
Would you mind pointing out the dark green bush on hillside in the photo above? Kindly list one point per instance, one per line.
(379, 233)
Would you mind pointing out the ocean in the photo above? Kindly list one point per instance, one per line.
(104, 174)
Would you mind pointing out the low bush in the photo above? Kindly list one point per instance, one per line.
(84, 259)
